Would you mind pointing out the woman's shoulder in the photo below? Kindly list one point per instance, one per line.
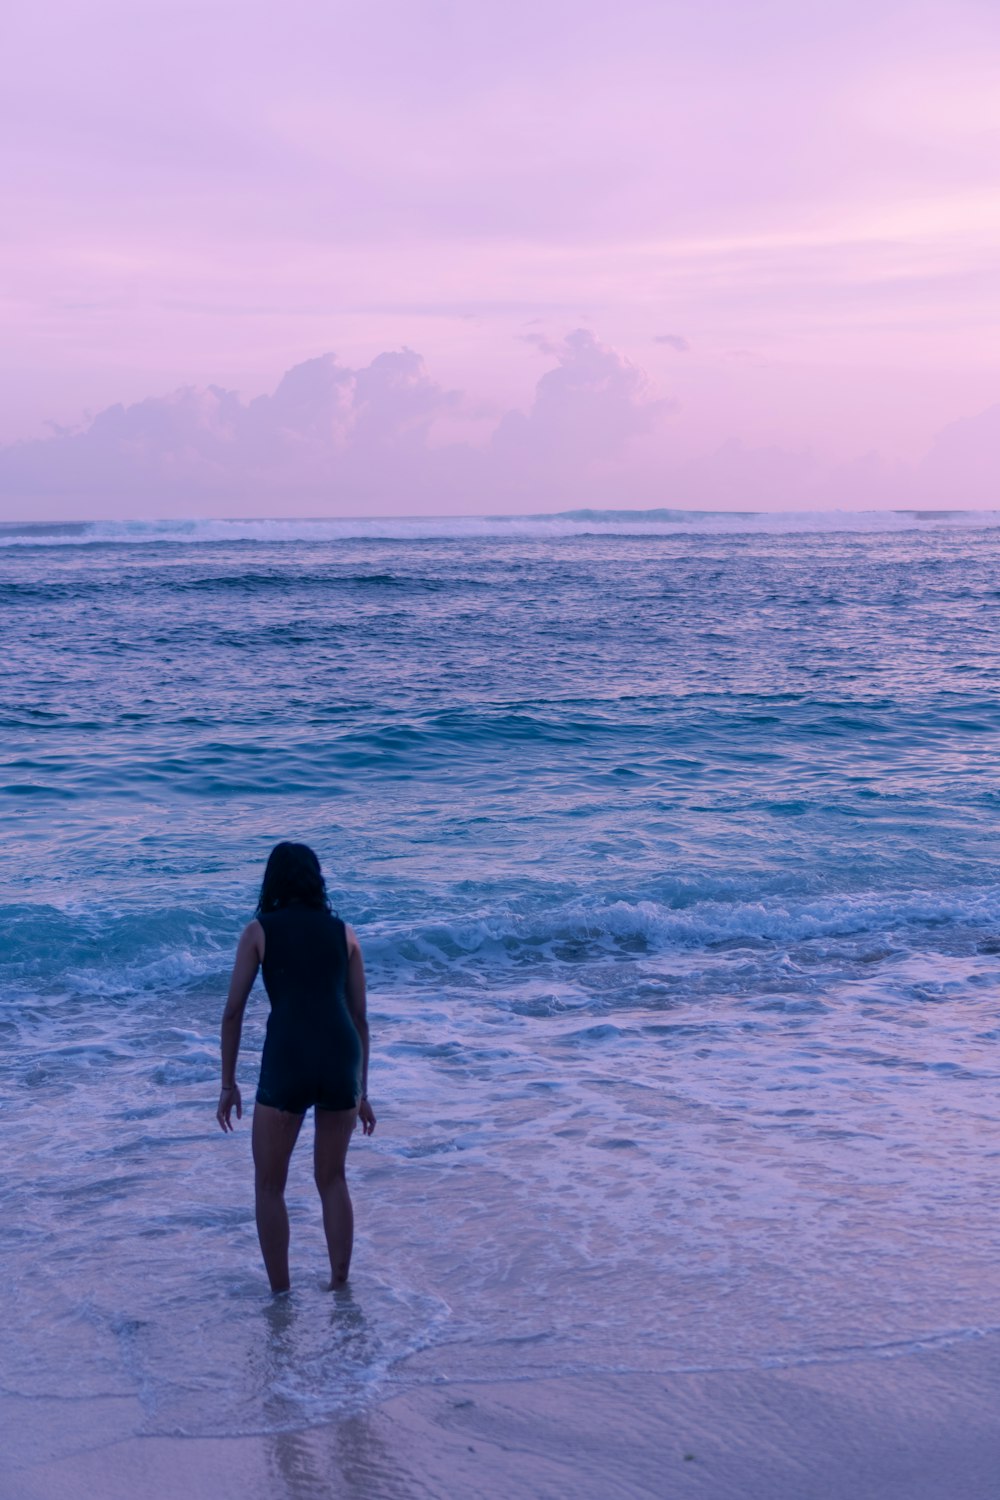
(252, 938)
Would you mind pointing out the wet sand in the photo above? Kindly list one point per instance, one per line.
(920, 1425)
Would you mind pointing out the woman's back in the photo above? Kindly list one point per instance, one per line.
(312, 1052)
(305, 960)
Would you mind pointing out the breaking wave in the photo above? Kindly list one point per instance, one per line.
(658, 521)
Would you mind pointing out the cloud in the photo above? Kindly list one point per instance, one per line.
(332, 438)
(584, 410)
(673, 341)
(322, 422)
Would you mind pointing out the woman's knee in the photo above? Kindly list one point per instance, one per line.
(330, 1176)
(269, 1184)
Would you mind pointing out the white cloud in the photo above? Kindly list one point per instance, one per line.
(331, 439)
(335, 438)
(586, 409)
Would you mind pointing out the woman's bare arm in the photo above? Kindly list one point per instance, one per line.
(357, 1004)
(249, 957)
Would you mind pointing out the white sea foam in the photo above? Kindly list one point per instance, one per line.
(114, 961)
(654, 522)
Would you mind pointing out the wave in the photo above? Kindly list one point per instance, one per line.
(718, 934)
(707, 921)
(658, 521)
(283, 581)
(660, 745)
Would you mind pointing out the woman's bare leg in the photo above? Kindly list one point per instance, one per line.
(275, 1132)
(334, 1128)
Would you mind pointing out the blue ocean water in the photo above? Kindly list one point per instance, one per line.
(671, 844)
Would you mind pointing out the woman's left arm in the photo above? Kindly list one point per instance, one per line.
(357, 1004)
(249, 956)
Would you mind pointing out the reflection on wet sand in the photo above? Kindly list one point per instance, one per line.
(349, 1460)
(350, 1457)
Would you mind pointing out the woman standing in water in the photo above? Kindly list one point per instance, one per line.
(315, 1052)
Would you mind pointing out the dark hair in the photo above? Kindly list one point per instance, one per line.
(292, 874)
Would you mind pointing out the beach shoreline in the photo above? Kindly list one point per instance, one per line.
(915, 1426)
(681, 918)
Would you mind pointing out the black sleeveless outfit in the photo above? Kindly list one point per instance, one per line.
(312, 1051)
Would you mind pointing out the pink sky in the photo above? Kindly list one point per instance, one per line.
(665, 253)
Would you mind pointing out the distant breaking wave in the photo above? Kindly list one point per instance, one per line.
(555, 524)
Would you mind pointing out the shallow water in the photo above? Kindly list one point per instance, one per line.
(672, 852)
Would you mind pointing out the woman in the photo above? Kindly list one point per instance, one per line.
(315, 1052)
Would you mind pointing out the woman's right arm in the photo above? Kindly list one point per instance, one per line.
(249, 956)
(357, 1004)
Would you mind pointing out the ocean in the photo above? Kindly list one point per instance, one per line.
(671, 843)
